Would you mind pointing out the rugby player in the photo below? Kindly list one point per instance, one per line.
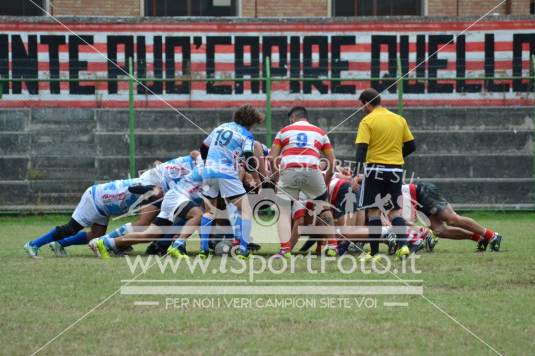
(383, 140)
(444, 221)
(300, 146)
(179, 202)
(98, 203)
(222, 150)
(164, 175)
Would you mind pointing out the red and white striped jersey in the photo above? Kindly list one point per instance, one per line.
(408, 202)
(301, 144)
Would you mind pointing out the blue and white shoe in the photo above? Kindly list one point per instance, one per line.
(58, 250)
(32, 251)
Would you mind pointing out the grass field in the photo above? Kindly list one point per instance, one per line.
(490, 294)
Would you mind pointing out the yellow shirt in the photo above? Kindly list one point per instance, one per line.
(384, 132)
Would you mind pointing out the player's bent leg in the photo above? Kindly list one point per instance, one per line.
(193, 215)
(55, 234)
(486, 236)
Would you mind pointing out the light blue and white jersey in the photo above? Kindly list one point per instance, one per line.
(191, 184)
(227, 143)
(169, 173)
(114, 198)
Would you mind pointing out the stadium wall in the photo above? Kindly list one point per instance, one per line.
(475, 137)
(183, 55)
(480, 157)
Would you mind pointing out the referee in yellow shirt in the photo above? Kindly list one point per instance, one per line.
(383, 140)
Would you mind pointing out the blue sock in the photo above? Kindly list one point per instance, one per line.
(77, 239)
(120, 231)
(178, 243)
(109, 243)
(45, 239)
(244, 230)
(206, 224)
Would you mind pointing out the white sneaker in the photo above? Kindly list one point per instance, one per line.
(32, 251)
(58, 250)
(93, 246)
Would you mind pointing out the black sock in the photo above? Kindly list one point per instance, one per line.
(375, 227)
(400, 228)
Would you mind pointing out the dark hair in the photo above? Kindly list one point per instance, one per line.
(247, 116)
(299, 111)
(370, 96)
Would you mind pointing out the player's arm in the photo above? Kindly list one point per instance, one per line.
(205, 145)
(251, 159)
(259, 154)
(408, 148)
(362, 141)
(328, 151)
(195, 155)
(409, 145)
(273, 157)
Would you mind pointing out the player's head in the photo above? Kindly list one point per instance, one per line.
(297, 113)
(370, 98)
(248, 116)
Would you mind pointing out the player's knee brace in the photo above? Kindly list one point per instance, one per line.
(69, 229)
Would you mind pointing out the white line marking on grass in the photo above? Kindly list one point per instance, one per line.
(395, 304)
(146, 303)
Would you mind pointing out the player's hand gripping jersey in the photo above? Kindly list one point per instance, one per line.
(227, 144)
(169, 173)
(301, 144)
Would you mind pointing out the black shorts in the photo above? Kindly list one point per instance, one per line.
(381, 187)
(430, 199)
(344, 203)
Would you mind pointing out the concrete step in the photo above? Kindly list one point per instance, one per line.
(162, 120)
(428, 142)
(15, 192)
(60, 186)
(71, 162)
(117, 167)
(64, 174)
(418, 118)
(14, 143)
(491, 191)
(59, 115)
(464, 166)
(57, 198)
(14, 119)
(160, 144)
(471, 166)
(36, 209)
(14, 168)
(47, 147)
(49, 136)
(458, 142)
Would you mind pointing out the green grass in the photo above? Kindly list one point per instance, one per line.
(491, 294)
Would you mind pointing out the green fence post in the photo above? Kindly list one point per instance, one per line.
(131, 121)
(401, 104)
(269, 132)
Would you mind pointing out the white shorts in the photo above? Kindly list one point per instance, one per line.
(224, 187)
(172, 204)
(86, 212)
(295, 180)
